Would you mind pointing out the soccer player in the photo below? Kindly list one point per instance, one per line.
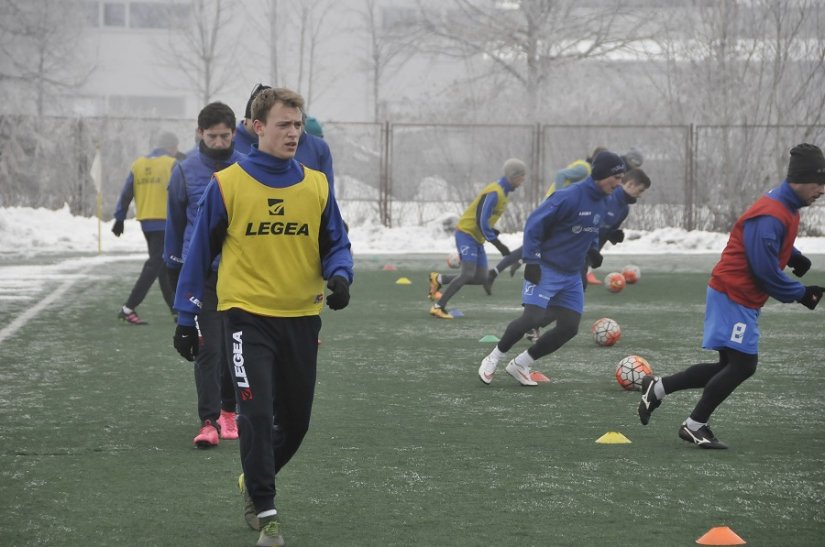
(213, 380)
(475, 227)
(146, 184)
(280, 234)
(575, 171)
(751, 269)
(557, 238)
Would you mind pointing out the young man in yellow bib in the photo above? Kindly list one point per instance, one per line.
(146, 184)
(279, 231)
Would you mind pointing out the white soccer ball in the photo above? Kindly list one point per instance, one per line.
(606, 331)
(453, 260)
(631, 370)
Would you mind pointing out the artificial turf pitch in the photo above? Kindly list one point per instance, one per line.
(407, 446)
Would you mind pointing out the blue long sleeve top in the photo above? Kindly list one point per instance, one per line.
(560, 231)
(617, 207)
(762, 237)
(186, 187)
(314, 153)
(244, 139)
(127, 194)
(486, 207)
(212, 221)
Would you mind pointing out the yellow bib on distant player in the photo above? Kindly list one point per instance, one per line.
(270, 260)
(151, 177)
(468, 223)
(567, 182)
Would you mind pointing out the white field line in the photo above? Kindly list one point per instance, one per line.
(21, 320)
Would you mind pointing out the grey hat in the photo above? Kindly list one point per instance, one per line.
(167, 140)
(807, 164)
(514, 168)
(633, 158)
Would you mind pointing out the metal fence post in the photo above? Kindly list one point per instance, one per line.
(690, 178)
(385, 185)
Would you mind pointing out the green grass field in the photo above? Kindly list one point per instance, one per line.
(407, 447)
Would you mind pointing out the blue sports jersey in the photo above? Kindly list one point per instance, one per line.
(561, 230)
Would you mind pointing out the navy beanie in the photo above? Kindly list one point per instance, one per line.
(807, 164)
(606, 164)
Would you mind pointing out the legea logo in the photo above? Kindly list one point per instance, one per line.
(275, 206)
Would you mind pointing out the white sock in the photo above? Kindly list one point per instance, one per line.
(524, 360)
(693, 425)
(497, 355)
(439, 278)
(126, 310)
(659, 390)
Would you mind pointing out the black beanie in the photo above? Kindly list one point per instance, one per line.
(606, 164)
(255, 92)
(807, 164)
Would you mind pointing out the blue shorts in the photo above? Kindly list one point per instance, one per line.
(555, 288)
(470, 250)
(730, 325)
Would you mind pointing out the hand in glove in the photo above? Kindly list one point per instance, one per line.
(532, 273)
(594, 257)
(117, 228)
(616, 236)
(339, 298)
(800, 264)
(502, 248)
(813, 295)
(187, 342)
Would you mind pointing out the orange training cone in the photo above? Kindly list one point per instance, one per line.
(592, 279)
(720, 535)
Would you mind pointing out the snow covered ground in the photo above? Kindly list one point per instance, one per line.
(26, 233)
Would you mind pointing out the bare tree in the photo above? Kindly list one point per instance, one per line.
(524, 41)
(40, 43)
(390, 45)
(744, 70)
(311, 16)
(201, 50)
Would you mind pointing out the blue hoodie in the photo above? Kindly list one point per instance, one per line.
(560, 231)
(186, 186)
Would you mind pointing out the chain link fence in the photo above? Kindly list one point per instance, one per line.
(402, 174)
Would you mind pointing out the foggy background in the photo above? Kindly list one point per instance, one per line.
(422, 101)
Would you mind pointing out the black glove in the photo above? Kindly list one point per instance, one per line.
(532, 273)
(174, 275)
(514, 268)
(813, 295)
(117, 228)
(502, 248)
(187, 342)
(616, 236)
(339, 298)
(800, 264)
(594, 257)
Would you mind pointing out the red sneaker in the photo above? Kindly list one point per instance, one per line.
(228, 426)
(131, 318)
(208, 436)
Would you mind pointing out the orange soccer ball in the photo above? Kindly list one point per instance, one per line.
(631, 370)
(631, 274)
(614, 282)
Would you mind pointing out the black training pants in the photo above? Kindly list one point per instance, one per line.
(153, 268)
(273, 361)
(213, 380)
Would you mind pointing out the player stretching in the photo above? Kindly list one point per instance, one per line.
(750, 270)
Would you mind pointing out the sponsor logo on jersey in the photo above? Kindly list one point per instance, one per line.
(277, 228)
(275, 206)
